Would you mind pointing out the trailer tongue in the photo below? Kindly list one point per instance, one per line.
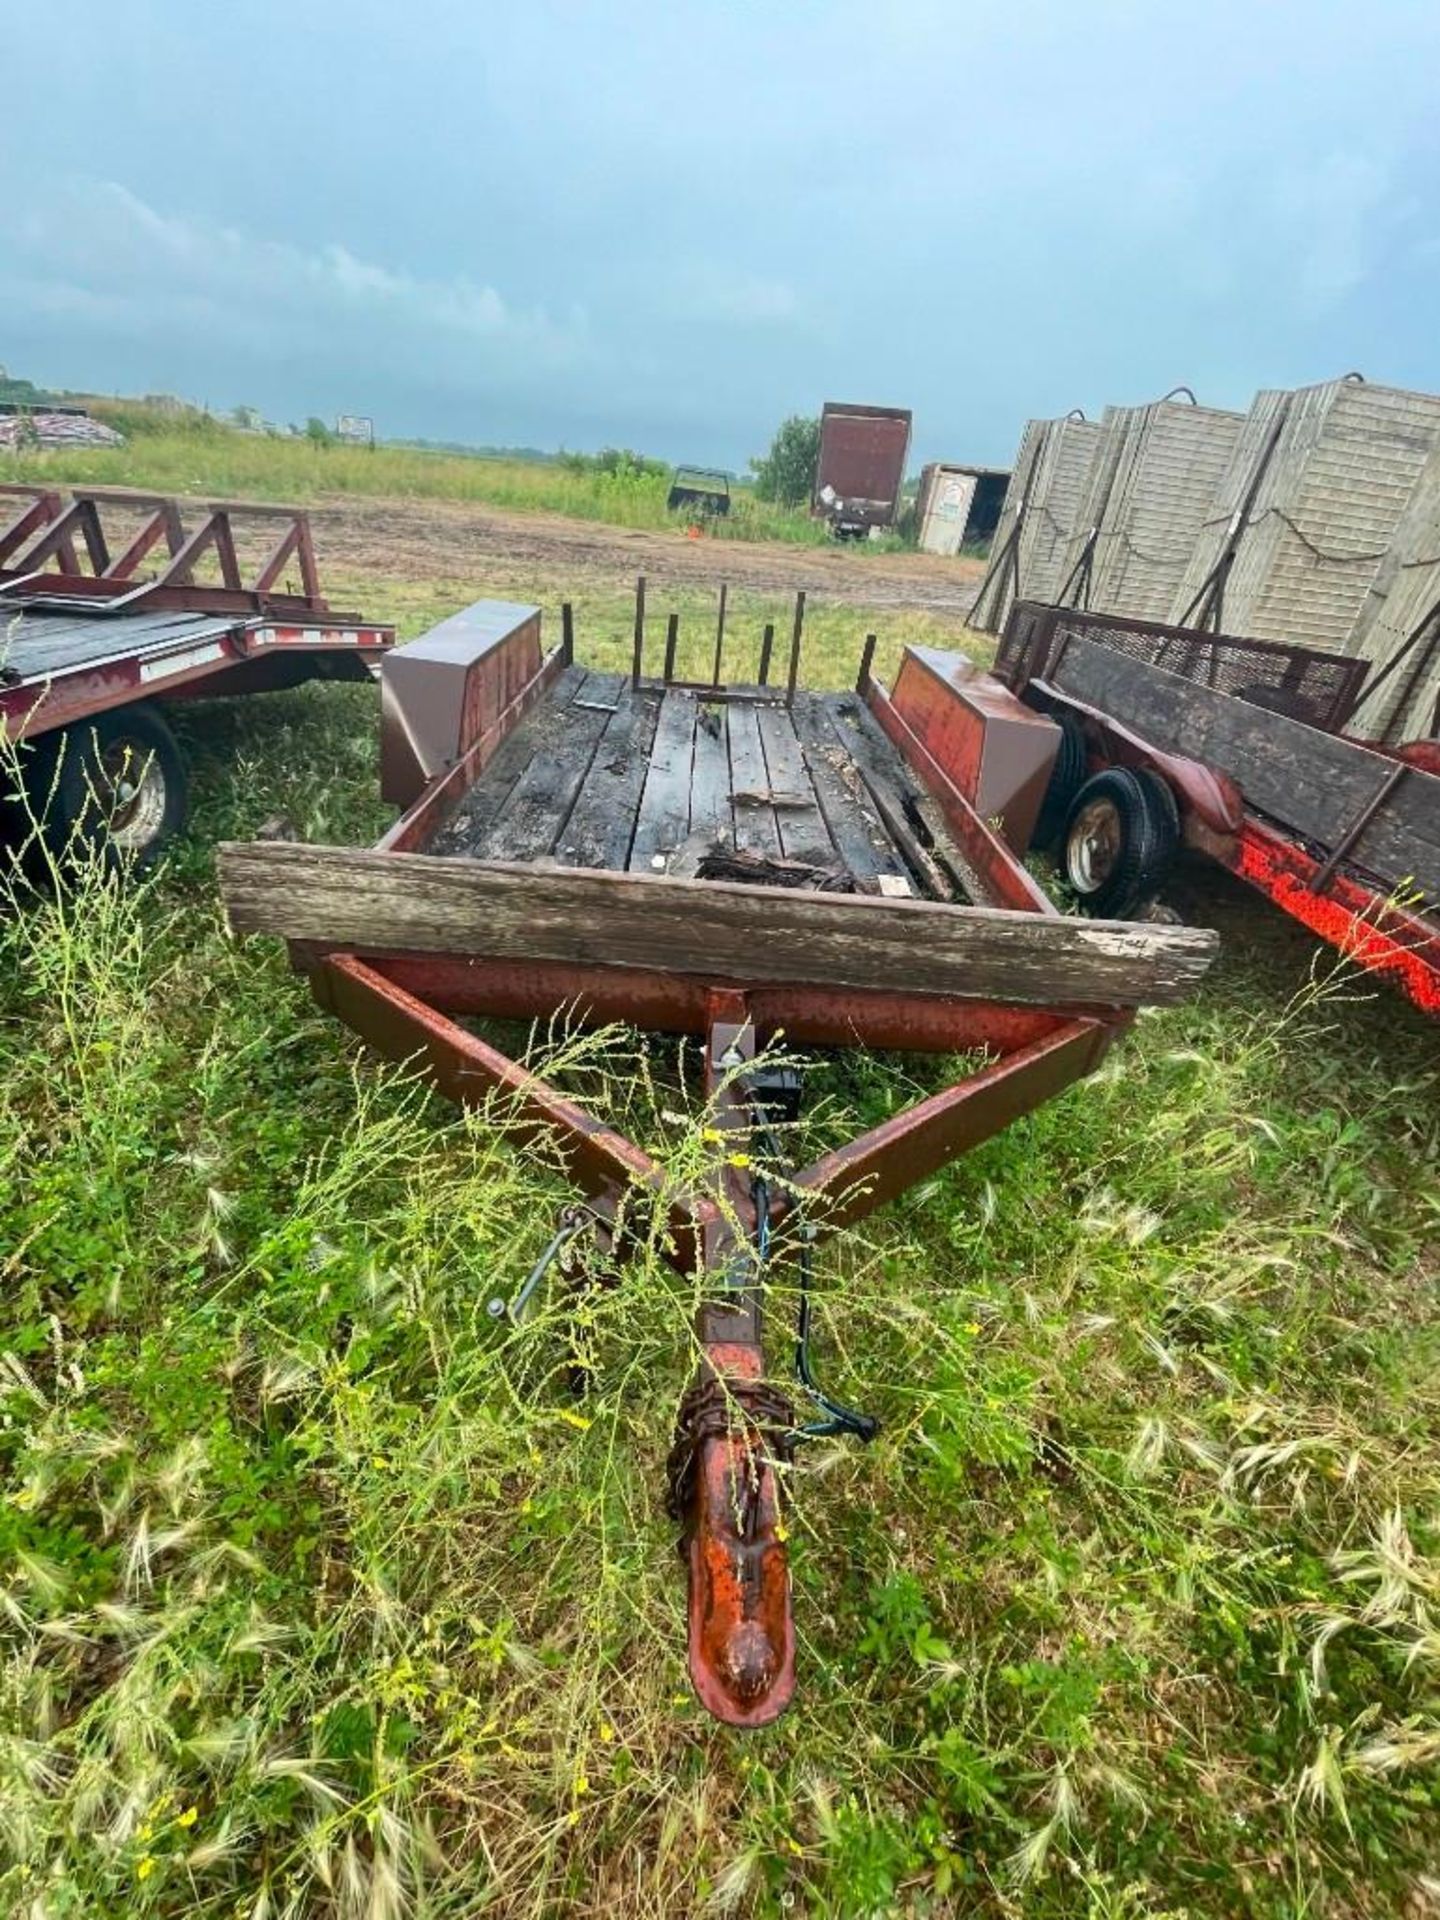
(552, 856)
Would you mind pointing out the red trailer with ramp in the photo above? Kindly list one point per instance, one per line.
(113, 604)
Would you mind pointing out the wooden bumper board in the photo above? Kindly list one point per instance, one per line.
(417, 903)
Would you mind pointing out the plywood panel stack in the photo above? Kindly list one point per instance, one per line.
(1151, 487)
(1331, 496)
(1231, 508)
(1046, 487)
(1403, 598)
(1065, 462)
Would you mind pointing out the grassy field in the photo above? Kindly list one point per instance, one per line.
(323, 1597)
(198, 455)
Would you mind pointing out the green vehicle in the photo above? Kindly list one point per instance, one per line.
(700, 490)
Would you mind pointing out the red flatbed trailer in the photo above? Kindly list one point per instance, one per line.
(729, 861)
(110, 602)
(1246, 739)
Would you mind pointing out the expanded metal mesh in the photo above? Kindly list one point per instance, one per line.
(1304, 682)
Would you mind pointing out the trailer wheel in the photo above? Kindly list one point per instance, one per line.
(116, 785)
(1067, 776)
(1120, 840)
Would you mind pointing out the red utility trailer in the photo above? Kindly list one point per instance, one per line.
(112, 605)
(732, 861)
(1234, 749)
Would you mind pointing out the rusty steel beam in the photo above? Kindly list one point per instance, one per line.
(725, 1481)
(57, 541)
(164, 522)
(44, 508)
(1387, 939)
(53, 527)
(678, 1003)
(468, 1071)
(878, 1166)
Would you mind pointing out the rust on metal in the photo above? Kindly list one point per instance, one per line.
(733, 1431)
(736, 1429)
(41, 553)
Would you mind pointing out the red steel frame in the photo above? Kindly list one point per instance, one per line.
(1356, 917)
(726, 1473)
(1360, 919)
(59, 554)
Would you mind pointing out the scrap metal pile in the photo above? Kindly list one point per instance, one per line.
(50, 430)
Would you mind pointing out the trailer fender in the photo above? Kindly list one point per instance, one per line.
(1203, 793)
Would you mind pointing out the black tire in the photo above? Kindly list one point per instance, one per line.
(1120, 841)
(1067, 776)
(113, 785)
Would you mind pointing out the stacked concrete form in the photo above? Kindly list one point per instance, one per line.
(1399, 622)
(1043, 499)
(1148, 493)
(1326, 474)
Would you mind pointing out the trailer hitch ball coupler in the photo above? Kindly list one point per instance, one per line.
(733, 1437)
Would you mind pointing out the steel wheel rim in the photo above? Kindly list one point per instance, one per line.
(132, 793)
(1094, 845)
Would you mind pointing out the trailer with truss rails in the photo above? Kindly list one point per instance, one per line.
(113, 604)
(731, 860)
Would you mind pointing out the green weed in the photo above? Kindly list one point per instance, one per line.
(320, 1593)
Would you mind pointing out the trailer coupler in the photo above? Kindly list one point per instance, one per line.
(734, 1436)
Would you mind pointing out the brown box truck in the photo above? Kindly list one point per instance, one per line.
(861, 467)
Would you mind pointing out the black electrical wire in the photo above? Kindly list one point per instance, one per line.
(838, 1417)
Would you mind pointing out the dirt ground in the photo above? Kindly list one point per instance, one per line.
(429, 540)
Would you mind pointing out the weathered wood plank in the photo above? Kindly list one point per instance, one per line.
(755, 828)
(351, 898)
(859, 837)
(1312, 782)
(893, 793)
(602, 820)
(472, 820)
(533, 817)
(711, 816)
(664, 818)
(803, 832)
(909, 813)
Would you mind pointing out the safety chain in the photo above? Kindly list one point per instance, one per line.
(718, 1409)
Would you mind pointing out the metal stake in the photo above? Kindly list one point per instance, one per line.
(719, 637)
(639, 654)
(795, 647)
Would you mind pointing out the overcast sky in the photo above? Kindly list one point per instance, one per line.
(668, 223)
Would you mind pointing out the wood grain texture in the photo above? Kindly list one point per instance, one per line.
(1313, 783)
(351, 898)
(664, 818)
(843, 798)
(755, 827)
(602, 821)
(803, 833)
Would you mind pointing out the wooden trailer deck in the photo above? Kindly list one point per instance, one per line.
(677, 780)
(739, 863)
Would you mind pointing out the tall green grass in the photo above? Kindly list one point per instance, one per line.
(195, 454)
(321, 1595)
